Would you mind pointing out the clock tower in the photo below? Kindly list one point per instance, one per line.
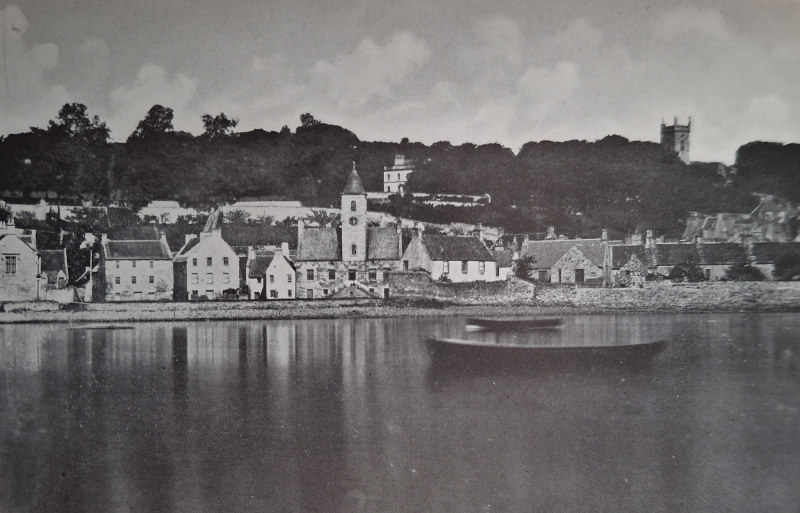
(354, 219)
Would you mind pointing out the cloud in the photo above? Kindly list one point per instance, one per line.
(26, 96)
(499, 37)
(769, 107)
(152, 86)
(371, 71)
(545, 89)
(579, 36)
(688, 20)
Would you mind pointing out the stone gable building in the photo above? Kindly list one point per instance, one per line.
(136, 270)
(352, 260)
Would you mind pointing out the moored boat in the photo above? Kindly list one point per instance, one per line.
(513, 323)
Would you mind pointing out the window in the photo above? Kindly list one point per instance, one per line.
(352, 206)
(151, 264)
(373, 276)
(481, 267)
(496, 270)
(117, 280)
(289, 292)
(579, 276)
(208, 261)
(224, 260)
(351, 275)
(258, 280)
(226, 277)
(273, 294)
(288, 278)
(272, 278)
(133, 264)
(331, 274)
(309, 293)
(194, 262)
(405, 265)
(707, 273)
(133, 280)
(117, 262)
(195, 278)
(152, 279)
(445, 267)
(464, 265)
(543, 276)
(209, 278)
(309, 274)
(353, 249)
(324, 292)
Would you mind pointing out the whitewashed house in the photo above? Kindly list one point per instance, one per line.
(454, 258)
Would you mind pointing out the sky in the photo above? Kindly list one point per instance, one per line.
(506, 71)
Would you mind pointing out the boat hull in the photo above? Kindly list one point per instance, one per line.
(514, 324)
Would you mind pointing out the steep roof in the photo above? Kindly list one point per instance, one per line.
(242, 236)
(259, 265)
(136, 250)
(450, 247)
(676, 253)
(354, 185)
(621, 254)
(547, 252)
(181, 254)
(383, 243)
(722, 253)
(504, 257)
(319, 243)
(770, 252)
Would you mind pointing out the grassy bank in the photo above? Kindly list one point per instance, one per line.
(706, 297)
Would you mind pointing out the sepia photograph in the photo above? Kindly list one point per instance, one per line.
(399, 256)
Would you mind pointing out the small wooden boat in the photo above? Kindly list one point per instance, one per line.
(468, 352)
(513, 323)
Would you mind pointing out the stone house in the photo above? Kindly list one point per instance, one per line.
(272, 274)
(54, 268)
(627, 265)
(567, 260)
(714, 258)
(249, 241)
(136, 270)
(205, 267)
(20, 268)
(395, 178)
(455, 258)
(353, 260)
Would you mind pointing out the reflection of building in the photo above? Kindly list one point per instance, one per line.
(353, 260)
(395, 178)
(675, 141)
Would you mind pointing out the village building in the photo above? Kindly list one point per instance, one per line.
(250, 240)
(279, 278)
(561, 260)
(627, 265)
(136, 270)
(350, 261)
(54, 268)
(20, 265)
(395, 177)
(504, 261)
(206, 267)
(714, 258)
(452, 258)
(772, 220)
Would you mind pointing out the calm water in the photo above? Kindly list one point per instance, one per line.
(350, 415)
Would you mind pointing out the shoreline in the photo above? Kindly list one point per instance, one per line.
(431, 308)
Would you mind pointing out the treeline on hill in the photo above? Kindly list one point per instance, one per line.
(577, 186)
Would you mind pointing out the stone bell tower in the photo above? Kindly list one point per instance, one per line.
(675, 141)
(354, 219)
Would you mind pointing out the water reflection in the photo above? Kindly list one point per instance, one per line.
(347, 415)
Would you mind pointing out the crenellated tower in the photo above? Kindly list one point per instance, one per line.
(675, 141)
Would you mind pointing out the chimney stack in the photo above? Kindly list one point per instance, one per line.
(551, 233)
(285, 249)
(648, 241)
(604, 235)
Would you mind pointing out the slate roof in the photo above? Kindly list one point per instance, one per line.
(146, 232)
(675, 253)
(504, 257)
(383, 243)
(547, 252)
(136, 250)
(449, 247)
(181, 256)
(722, 253)
(240, 236)
(320, 243)
(621, 254)
(354, 185)
(770, 252)
(260, 264)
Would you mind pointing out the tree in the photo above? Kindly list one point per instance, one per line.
(158, 121)
(523, 267)
(73, 122)
(323, 218)
(307, 120)
(687, 272)
(787, 267)
(237, 216)
(218, 125)
(743, 272)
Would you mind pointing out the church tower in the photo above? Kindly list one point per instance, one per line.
(675, 141)
(354, 219)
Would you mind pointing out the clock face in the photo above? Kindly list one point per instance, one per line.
(353, 221)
